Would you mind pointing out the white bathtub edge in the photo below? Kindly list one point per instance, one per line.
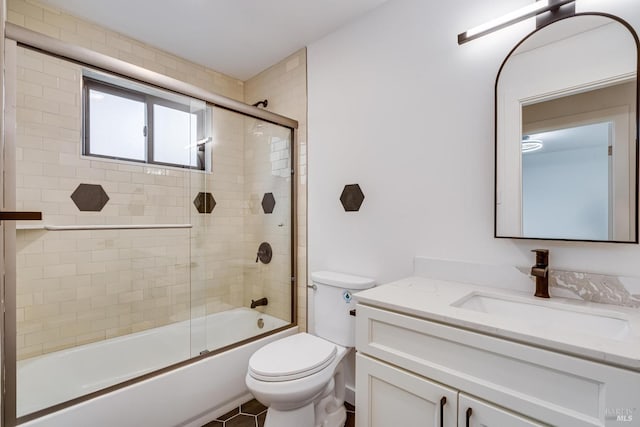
(196, 393)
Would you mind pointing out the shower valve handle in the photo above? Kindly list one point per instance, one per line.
(264, 253)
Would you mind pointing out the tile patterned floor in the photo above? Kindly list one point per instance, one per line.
(253, 414)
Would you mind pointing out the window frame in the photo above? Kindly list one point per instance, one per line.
(149, 101)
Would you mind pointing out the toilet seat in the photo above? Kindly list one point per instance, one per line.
(290, 358)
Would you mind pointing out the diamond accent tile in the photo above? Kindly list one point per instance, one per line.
(352, 198)
(89, 197)
(204, 202)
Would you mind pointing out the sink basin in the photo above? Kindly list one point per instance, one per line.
(549, 314)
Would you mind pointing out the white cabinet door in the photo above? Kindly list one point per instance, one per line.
(391, 397)
(475, 413)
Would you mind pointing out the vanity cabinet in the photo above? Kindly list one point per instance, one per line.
(405, 365)
(395, 397)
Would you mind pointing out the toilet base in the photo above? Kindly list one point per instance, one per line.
(330, 411)
(301, 417)
(306, 417)
(334, 419)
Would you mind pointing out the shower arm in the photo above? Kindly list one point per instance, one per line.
(261, 103)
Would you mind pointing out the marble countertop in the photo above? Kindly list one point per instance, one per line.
(437, 299)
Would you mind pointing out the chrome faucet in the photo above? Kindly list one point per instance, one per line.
(261, 301)
(541, 272)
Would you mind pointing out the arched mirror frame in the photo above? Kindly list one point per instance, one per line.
(637, 130)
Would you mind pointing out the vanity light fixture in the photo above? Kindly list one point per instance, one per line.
(534, 9)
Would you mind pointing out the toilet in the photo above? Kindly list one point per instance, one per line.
(300, 378)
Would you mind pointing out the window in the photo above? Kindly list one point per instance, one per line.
(127, 121)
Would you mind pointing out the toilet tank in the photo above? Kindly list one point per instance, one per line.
(332, 303)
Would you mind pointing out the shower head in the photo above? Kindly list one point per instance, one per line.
(264, 103)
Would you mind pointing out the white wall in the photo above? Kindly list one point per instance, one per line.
(398, 107)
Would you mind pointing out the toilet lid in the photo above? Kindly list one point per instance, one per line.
(293, 357)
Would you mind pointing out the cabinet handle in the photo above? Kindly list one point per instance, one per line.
(443, 402)
(469, 412)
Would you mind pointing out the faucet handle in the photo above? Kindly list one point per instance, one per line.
(542, 257)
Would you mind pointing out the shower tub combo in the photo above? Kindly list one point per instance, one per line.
(83, 273)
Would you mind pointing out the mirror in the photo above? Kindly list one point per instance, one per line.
(566, 133)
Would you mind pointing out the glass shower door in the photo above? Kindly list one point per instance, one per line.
(103, 282)
(248, 247)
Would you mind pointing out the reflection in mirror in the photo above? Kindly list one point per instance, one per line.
(566, 129)
(567, 168)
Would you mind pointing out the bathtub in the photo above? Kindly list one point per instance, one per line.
(187, 396)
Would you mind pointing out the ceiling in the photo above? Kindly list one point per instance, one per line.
(237, 37)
